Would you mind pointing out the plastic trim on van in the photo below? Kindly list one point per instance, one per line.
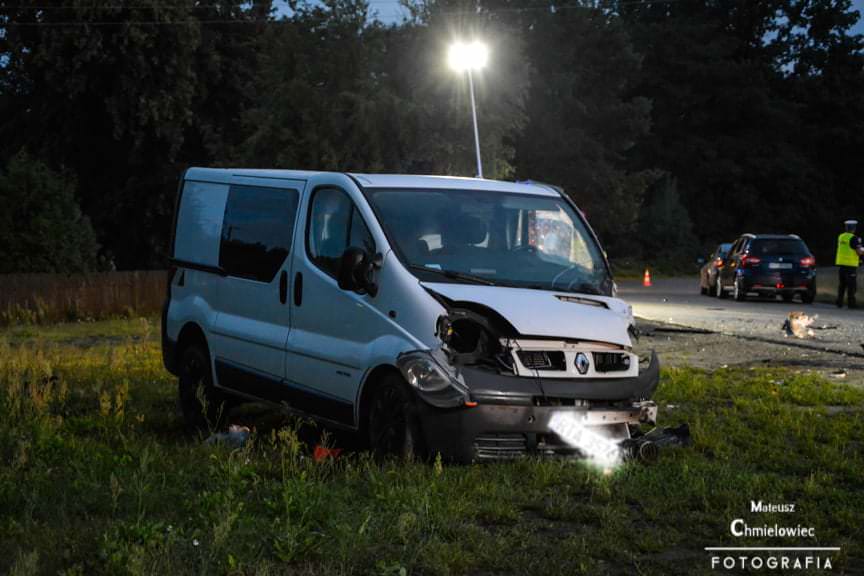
(251, 383)
(197, 266)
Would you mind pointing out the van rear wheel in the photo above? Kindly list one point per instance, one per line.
(203, 406)
(394, 428)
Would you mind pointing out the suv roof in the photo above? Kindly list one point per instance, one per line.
(379, 180)
(771, 236)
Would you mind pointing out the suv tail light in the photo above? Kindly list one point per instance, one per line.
(748, 261)
(808, 262)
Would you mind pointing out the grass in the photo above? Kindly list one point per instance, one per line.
(97, 476)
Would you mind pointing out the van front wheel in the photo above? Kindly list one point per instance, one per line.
(202, 405)
(394, 428)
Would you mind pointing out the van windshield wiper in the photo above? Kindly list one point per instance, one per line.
(453, 274)
(585, 288)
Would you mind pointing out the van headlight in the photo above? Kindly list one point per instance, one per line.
(437, 384)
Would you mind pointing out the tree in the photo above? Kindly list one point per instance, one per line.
(757, 111)
(825, 77)
(42, 228)
(378, 98)
(665, 229)
(125, 95)
(581, 120)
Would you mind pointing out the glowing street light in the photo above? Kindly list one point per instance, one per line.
(467, 57)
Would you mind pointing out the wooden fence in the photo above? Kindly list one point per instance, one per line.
(66, 297)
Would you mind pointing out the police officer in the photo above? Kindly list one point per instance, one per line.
(849, 249)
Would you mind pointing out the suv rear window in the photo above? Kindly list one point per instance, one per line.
(768, 246)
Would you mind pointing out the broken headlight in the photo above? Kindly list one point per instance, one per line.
(434, 381)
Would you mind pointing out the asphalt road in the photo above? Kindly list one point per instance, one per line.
(677, 301)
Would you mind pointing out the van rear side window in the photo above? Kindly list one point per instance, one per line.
(257, 231)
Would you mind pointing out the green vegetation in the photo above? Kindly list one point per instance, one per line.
(41, 227)
(97, 476)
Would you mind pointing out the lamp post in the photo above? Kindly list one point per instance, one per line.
(468, 57)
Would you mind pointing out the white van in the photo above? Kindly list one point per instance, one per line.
(428, 314)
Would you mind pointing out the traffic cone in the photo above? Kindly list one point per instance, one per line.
(646, 279)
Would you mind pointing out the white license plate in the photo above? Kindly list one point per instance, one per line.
(780, 265)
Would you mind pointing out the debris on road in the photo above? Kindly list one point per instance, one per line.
(798, 325)
(322, 453)
(236, 437)
(839, 373)
(646, 447)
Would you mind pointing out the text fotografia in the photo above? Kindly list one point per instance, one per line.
(755, 558)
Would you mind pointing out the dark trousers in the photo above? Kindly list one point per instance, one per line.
(848, 284)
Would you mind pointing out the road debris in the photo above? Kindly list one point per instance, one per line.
(322, 453)
(646, 447)
(798, 325)
(839, 374)
(236, 437)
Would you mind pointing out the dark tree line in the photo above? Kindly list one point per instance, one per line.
(674, 125)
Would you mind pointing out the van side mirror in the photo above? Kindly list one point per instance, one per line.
(357, 271)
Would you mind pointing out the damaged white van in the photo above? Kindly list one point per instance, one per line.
(427, 314)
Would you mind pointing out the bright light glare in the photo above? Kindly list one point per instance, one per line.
(600, 451)
(467, 56)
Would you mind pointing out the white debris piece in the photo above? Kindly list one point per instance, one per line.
(798, 325)
(236, 436)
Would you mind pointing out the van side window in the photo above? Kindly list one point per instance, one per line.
(334, 225)
(257, 231)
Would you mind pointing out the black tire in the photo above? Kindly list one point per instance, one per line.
(738, 291)
(204, 407)
(718, 289)
(702, 289)
(393, 425)
(788, 297)
(808, 296)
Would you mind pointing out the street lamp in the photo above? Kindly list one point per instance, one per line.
(469, 57)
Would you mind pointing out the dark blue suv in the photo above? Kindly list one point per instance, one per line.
(768, 265)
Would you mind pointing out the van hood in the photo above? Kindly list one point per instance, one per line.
(549, 314)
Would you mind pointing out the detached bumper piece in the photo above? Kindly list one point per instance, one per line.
(512, 415)
(646, 447)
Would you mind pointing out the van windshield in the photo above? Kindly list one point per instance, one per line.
(493, 238)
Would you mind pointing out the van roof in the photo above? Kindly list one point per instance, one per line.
(380, 180)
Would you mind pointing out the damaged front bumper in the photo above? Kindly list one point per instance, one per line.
(509, 416)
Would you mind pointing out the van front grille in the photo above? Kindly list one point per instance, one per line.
(542, 359)
(499, 446)
(611, 362)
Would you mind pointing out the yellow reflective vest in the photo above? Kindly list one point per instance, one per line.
(846, 256)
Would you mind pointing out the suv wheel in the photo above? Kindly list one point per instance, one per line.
(738, 291)
(203, 406)
(718, 289)
(394, 428)
(808, 296)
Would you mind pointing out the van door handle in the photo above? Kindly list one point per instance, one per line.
(283, 287)
(298, 289)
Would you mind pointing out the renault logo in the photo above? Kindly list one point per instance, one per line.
(582, 363)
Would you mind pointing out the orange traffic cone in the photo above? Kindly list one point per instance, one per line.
(646, 279)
